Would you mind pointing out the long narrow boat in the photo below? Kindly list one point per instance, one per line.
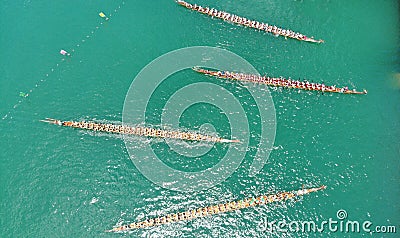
(216, 209)
(277, 31)
(277, 82)
(138, 131)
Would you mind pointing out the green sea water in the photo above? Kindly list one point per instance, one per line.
(61, 182)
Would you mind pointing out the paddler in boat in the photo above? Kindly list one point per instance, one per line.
(198, 212)
(239, 20)
(132, 225)
(263, 26)
(299, 36)
(150, 222)
(110, 128)
(120, 129)
(223, 15)
(282, 196)
(210, 210)
(116, 129)
(227, 15)
(216, 209)
(222, 207)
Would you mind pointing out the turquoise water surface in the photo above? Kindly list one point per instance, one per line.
(61, 182)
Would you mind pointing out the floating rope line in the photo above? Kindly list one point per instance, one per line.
(277, 82)
(52, 69)
(139, 131)
(249, 23)
(216, 209)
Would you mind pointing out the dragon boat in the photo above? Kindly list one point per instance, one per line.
(138, 131)
(278, 82)
(277, 31)
(216, 209)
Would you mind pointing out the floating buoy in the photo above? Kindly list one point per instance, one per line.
(102, 15)
(63, 52)
(24, 95)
